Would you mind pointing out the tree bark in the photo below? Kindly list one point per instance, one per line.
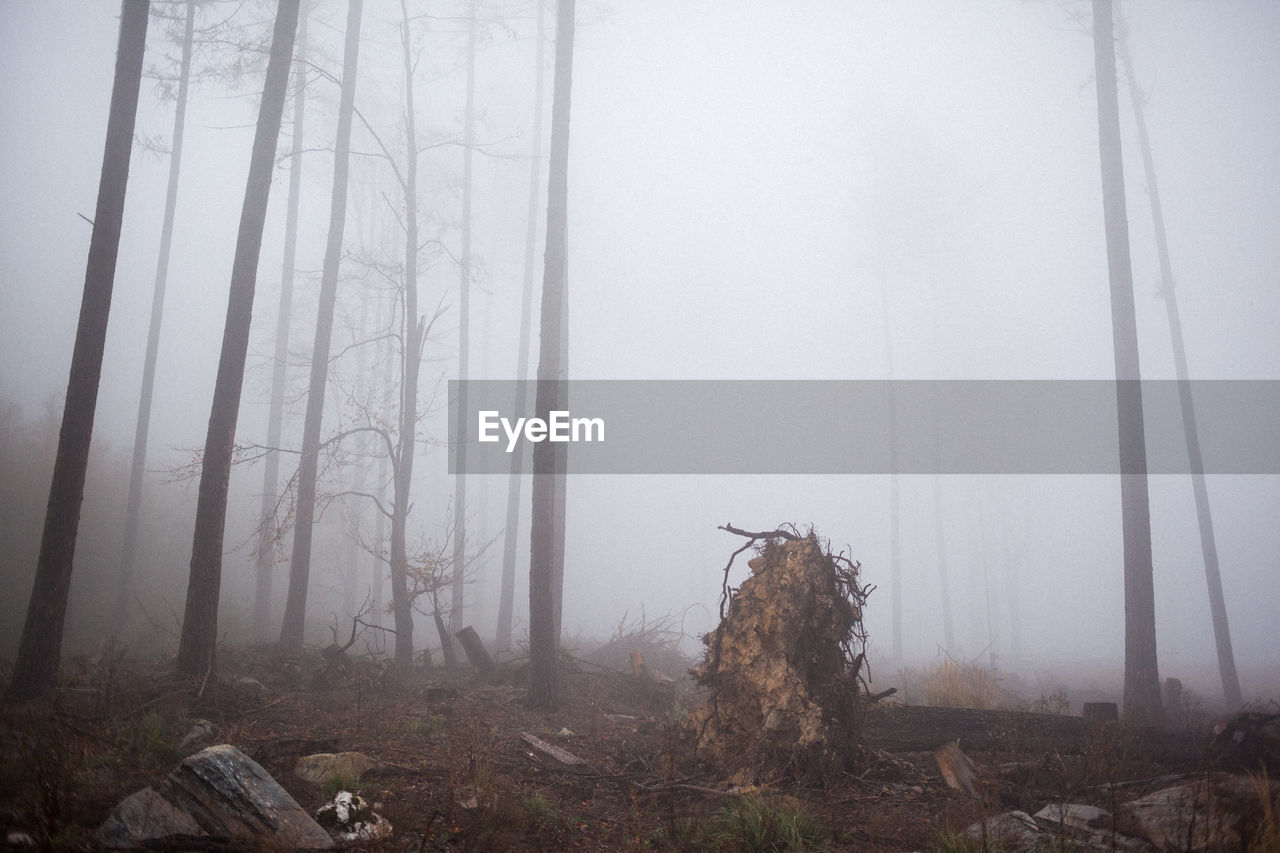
(200, 623)
(515, 480)
(137, 471)
(560, 495)
(543, 643)
(264, 589)
(464, 345)
(40, 648)
(1208, 543)
(1141, 678)
(295, 608)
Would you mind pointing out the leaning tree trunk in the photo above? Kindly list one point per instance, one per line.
(1141, 677)
(264, 589)
(506, 600)
(200, 622)
(41, 645)
(133, 503)
(464, 347)
(542, 606)
(295, 607)
(1208, 543)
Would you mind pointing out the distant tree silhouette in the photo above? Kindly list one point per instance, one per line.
(295, 608)
(457, 597)
(197, 643)
(264, 588)
(133, 503)
(1141, 676)
(1208, 543)
(40, 648)
(506, 596)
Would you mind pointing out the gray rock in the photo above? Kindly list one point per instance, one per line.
(144, 816)
(323, 766)
(1088, 827)
(229, 794)
(1072, 816)
(1204, 814)
(1011, 830)
(201, 731)
(252, 687)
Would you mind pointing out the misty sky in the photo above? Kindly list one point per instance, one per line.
(753, 187)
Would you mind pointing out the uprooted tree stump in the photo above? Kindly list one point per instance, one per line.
(785, 666)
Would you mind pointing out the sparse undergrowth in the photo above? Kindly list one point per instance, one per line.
(750, 824)
(458, 775)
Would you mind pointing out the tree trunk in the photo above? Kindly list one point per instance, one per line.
(464, 345)
(264, 590)
(1141, 678)
(940, 544)
(1208, 543)
(380, 518)
(351, 579)
(133, 503)
(895, 497)
(295, 607)
(543, 643)
(200, 622)
(411, 359)
(41, 645)
(561, 491)
(1011, 569)
(510, 537)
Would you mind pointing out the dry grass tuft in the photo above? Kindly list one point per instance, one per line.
(953, 684)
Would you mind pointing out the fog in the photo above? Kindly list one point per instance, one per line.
(807, 190)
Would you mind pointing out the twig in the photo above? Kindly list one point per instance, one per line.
(205, 682)
(679, 786)
(772, 534)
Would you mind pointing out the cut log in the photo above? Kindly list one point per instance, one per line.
(475, 650)
(909, 728)
(957, 770)
(647, 673)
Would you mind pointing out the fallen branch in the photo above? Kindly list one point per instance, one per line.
(680, 786)
(564, 756)
(883, 694)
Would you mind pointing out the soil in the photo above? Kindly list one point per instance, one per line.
(459, 775)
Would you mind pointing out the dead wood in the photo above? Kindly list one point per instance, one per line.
(474, 649)
(785, 665)
(909, 728)
(645, 672)
(957, 769)
(560, 754)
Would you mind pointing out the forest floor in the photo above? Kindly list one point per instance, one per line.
(459, 775)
